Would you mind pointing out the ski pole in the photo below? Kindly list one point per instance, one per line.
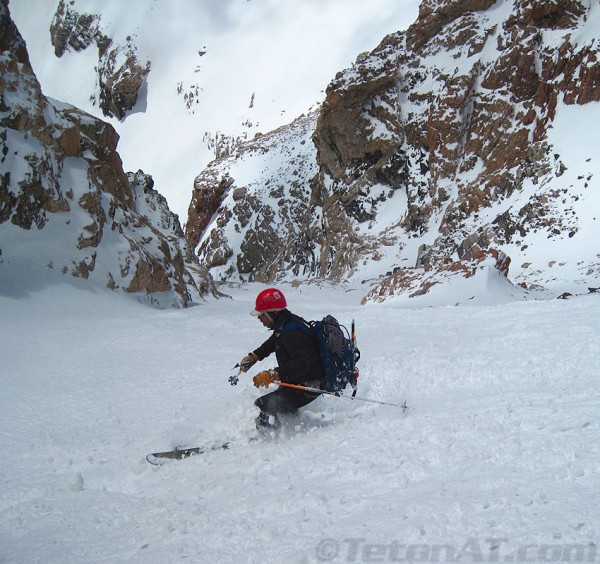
(233, 380)
(242, 366)
(337, 395)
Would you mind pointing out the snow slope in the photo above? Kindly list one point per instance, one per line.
(264, 63)
(496, 459)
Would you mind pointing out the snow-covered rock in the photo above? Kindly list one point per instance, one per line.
(469, 131)
(477, 280)
(250, 212)
(218, 70)
(466, 132)
(67, 208)
(121, 76)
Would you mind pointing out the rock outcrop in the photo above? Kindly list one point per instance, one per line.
(121, 76)
(260, 225)
(442, 138)
(465, 130)
(67, 208)
(415, 282)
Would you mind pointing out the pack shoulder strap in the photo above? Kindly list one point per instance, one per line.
(304, 326)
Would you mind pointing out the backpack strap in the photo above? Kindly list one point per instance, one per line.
(304, 326)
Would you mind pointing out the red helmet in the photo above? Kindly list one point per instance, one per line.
(270, 299)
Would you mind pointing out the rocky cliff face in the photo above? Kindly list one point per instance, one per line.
(67, 208)
(441, 143)
(121, 76)
(263, 221)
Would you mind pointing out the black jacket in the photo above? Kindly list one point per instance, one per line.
(297, 351)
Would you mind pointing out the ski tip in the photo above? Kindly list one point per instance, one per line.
(152, 460)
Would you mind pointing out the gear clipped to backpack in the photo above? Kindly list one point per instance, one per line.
(338, 350)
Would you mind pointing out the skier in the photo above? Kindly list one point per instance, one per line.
(297, 355)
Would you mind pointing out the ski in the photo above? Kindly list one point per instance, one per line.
(155, 458)
(180, 453)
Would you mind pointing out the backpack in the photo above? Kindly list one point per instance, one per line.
(339, 354)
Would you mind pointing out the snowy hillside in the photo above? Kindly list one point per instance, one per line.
(466, 133)
(227, 67)
(496, 459)
(463, 133)
(68, 210)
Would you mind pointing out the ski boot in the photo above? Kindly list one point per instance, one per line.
(267, 422)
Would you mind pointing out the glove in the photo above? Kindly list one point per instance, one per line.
(248, 362)
(263, 379)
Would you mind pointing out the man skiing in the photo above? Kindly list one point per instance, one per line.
(298, 359)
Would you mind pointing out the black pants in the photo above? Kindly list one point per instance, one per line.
(284, 401)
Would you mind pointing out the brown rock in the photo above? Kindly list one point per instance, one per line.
(64, 170)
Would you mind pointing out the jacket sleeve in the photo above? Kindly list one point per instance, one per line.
(266, 348)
